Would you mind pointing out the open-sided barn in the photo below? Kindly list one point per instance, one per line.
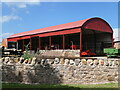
(92, 34)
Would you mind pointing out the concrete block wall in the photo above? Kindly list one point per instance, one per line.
(59, 70)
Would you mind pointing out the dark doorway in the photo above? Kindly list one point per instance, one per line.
(44, 43)
(34, 43)
(57, 42)
(27, 43)
(20, 44)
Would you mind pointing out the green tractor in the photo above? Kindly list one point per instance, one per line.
(112, 52)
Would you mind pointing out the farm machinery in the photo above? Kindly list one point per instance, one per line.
(113, 52)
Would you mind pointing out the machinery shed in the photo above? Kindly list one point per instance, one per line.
(92, 34)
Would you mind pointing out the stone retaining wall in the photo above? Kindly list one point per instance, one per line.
(59, 70)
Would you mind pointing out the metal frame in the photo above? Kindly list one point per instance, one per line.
(80, 41)
(63, 40)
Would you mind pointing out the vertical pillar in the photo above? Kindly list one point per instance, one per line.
(17, 45)
(50, 42)
(30, 43)
(80, 42)
(23, 45)
(63, 40)
(39, 43)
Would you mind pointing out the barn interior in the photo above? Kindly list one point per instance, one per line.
(12, 45)
(96, 41)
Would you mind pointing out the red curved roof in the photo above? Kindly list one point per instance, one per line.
(52, 28)
(91, 23)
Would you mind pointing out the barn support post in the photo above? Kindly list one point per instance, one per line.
(80, 42)
(30, 43)
(50, 42)
(17, 45)
(39, 43)
(63, 40)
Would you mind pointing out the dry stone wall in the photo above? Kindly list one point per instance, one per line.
(59, 70)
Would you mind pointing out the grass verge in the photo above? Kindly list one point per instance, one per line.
(16, 85)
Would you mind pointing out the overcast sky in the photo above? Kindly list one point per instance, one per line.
(24, 16)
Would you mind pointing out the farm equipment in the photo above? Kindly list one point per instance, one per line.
(112, 52)
(11, 53)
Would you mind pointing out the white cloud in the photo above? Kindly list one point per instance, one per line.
(9, 18)
(4, 35)
(15, 8)
(116, 34)
(20, 4)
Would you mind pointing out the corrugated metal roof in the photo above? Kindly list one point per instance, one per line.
(52, 28)
(81, 23)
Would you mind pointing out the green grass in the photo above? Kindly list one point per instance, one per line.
(15, 85)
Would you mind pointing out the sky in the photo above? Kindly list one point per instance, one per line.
(25, 16)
